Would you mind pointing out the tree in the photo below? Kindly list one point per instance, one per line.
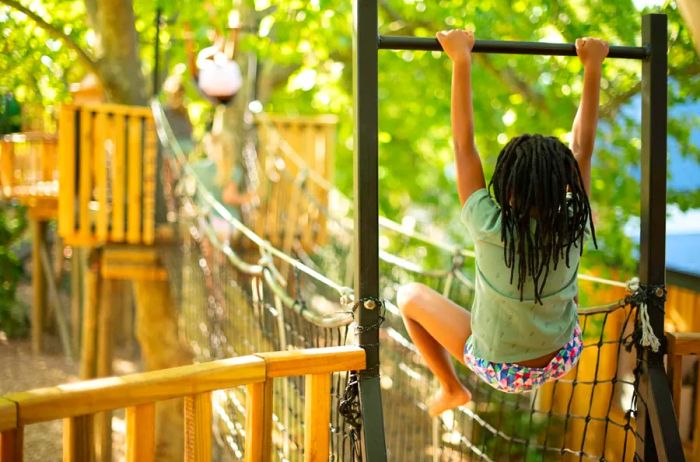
(304, 54)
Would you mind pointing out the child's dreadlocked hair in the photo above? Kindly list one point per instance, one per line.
(537, 176)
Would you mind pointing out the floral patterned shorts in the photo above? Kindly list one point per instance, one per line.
(513, 378)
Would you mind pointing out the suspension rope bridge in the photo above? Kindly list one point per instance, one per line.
(251, 305)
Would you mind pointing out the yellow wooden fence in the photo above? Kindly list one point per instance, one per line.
(107, 171)
(597, 394)
(77, 403)
(288, 145)
(28, 163)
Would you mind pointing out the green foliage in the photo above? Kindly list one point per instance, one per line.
(35, 66)
(305, 53)
(513, 95)
(13, 222)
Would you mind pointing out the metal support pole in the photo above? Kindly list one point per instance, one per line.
(656, 423)
(396, 42)
(366, 168)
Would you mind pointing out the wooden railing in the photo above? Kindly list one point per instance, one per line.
(77, 403)
(107, 170)
(28, 167)
(683, 344)
(285, 214)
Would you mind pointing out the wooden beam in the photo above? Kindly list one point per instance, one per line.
(317, 417)
(198, 427)
(91, 396)
(141, 433)
(684, 343)
(88, 352)
(313, 361)
(258, 422)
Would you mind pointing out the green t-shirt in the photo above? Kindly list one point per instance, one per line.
(505, 329)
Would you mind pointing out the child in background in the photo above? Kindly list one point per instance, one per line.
(528, 230)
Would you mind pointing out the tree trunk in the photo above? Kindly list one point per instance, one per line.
(117, 50)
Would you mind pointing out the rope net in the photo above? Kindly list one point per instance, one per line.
(237, 294)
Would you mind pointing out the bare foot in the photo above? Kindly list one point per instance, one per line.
(444, 400)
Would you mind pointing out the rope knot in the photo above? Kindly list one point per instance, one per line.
(640, 296)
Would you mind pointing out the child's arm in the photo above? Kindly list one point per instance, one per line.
(470, 175)
(591, 52)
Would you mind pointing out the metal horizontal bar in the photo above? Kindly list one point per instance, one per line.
(396, 42)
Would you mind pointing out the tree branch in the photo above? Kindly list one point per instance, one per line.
(54, 31)
(516, 84)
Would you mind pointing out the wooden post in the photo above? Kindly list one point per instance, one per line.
(38, 284)
(103, 420)
(76, 289)
(11, 445)
(156, 331)
(78, 439)
(258, 423)
(317, 417)
(88, 352)
(141, 433)
(675, 371)
(58, 311)
(198, 428)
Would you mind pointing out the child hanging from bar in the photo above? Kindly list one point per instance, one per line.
(528, 229)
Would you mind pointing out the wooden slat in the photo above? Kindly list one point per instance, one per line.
(134, 181)
(8, 415)
(38, 285)
(313, 361)
(127, 272)
(76, 271)
(78, 439)
(141, 433)
(130, 254)
(307, 148)
(317, 417)
(11, 445)
(66, 173)
(6, 166)
(675, 364)
(85, 193)
(118, 178)
(684, 343)
(198, 428)
(97, 395)
(149, 182)
(258, 423)
(100, 158)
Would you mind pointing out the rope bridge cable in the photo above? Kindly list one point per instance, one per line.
(235, 298)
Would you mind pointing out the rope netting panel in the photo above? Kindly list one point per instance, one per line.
(236, 297)
(239, 294)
